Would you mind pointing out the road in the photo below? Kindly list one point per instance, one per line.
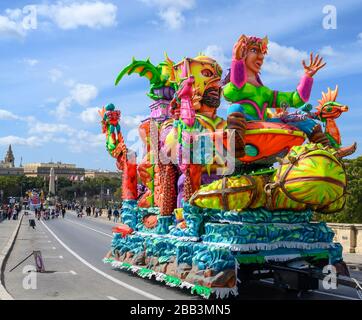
(73, 249)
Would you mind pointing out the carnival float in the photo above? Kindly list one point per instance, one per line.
(212, 202)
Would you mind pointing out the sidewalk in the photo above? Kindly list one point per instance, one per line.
(353, 260)
(7, 228)
(8, 231)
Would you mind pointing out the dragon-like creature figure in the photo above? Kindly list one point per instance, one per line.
(161, 77)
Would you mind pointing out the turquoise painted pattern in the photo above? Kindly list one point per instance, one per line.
(266, 233)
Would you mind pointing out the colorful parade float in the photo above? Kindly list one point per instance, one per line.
(213, 203)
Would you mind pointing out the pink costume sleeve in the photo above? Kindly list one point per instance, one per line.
(238, 73)
(305, 87)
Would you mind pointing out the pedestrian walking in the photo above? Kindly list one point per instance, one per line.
(10, 213)
(63, 212)
(115, 215)
(109, 214)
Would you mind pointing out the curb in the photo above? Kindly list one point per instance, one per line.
(4, 295)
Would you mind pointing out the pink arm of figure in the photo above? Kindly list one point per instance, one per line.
(305, 87)
(238, 73)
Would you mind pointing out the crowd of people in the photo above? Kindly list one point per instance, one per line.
(93, 211)
(47, 213)
(10, 212)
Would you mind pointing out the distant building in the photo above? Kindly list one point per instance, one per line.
(9, 160)
(100, 173)
(60, 169)
(7, 166)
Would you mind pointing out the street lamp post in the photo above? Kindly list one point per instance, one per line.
(102, 192)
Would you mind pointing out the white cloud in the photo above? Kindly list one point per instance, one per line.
(171, 12)
(87, 14)
(84, 140)
(65, 15)
(217, 53)
(69, 83)
(62, 110)
(55, 74)
(49, 128)
(84, 93)
(172, 17)
(80, 93)
(7, 115)
(9, 27)
(90, 115)
(31, 62)
(14, 14)
(132, 121)
(284, 61)
(15, 140)
(359, 37)
(327, 51)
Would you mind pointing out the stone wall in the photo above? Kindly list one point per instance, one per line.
(348, 235)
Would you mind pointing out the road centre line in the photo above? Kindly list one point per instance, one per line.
(108, 235)
(111, 298)
(107, 276)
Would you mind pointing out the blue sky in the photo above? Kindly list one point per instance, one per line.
(53, 78)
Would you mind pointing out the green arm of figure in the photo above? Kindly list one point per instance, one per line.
(290, 99)
(261, 95)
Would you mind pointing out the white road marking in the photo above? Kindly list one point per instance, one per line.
(111, 298)
(119, 282)
(49, 241)
(321, 292)
(71, 271)
(54, 248)
(53, 257)
(108, 235)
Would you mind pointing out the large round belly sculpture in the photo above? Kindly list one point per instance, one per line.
(310, 177)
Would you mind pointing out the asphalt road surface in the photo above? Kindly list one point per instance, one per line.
(73, 249)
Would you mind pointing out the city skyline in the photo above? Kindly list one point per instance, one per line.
(21, 162)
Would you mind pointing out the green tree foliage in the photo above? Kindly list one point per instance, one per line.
(91, 187)
(352, 212)
(16, 186)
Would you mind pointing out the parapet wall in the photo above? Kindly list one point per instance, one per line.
(349, 236)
